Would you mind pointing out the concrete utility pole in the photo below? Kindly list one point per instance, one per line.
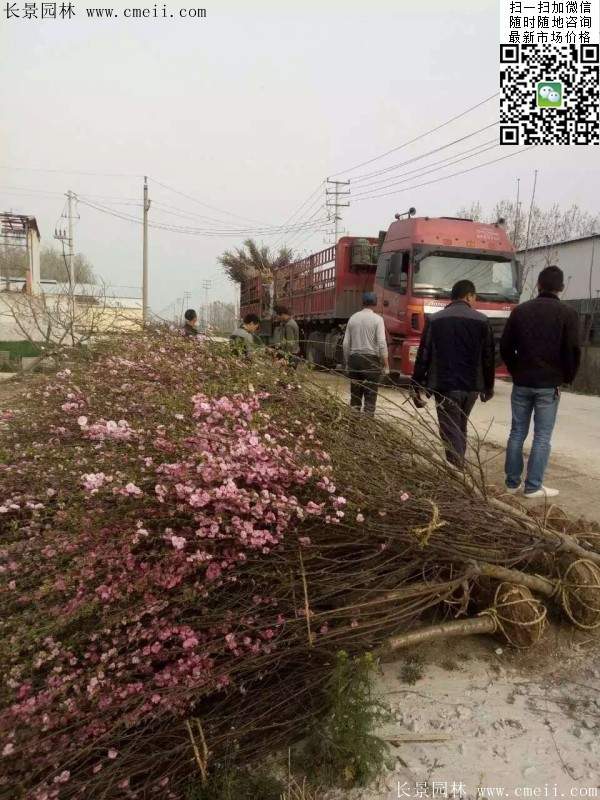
(206, 284)
(70, 202)
(517, 214)
(67, 237)
(335, 204)
(33, 256)
(185, 301)
(145, 255)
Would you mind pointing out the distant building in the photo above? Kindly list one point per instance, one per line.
(579, 259)
(87, 307)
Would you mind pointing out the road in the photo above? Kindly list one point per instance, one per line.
(575, 461)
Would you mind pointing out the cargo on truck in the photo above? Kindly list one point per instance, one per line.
(411, 267)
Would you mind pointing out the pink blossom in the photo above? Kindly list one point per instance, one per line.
(132, 490)
(178, 542)
(213, 572)
(112, 753)
(8, 749)
(404, 497)
(360, 517)
(92, 481)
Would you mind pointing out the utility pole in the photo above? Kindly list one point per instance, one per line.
(206, 284)
(517, 214)
(335, 204)
(67, 237)
(145, 255)
(185, 301)
(70, 200)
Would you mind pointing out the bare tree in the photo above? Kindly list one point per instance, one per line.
(73, 316)
(13, 264)
(546, 226)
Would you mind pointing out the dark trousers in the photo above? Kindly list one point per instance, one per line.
(453, 409)
(365, 374)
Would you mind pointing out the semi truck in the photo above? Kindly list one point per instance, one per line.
(411, 267)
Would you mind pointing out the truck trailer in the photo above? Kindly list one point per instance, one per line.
(411, 267)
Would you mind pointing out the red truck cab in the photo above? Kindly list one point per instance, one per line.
(421, 258)
(411, 267)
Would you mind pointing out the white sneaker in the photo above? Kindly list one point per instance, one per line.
(513, 489)
(541, 492)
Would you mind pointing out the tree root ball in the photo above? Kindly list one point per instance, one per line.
(518, 615)
(579, 592)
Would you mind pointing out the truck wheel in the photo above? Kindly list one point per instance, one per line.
(314, 349)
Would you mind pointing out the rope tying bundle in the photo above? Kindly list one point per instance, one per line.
(517, 614)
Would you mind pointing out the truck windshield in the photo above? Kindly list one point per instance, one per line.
(494, 278)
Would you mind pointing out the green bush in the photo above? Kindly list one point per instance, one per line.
(230, 783)
(342, 746)
(20, 349)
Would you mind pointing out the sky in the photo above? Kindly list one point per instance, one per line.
(244, 114)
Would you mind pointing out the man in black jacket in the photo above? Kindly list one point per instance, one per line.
(540, 347)
(456, 363)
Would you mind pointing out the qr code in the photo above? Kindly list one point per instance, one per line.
(549, 94)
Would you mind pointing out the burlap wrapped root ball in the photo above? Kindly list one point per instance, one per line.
(579, 592)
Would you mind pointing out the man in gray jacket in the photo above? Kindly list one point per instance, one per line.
(244, 338)
(365, 354)
(286, 336)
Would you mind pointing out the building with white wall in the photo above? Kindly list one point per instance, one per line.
(579, 259)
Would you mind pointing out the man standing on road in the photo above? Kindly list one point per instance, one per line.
(365, 354)
(287, 336)
(540, 347)
(456, 363)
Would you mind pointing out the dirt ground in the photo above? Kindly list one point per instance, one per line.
(511, 722)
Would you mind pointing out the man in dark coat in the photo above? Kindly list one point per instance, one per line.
(456, 363)
(540, 347)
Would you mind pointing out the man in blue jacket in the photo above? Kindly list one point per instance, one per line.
(456, 363)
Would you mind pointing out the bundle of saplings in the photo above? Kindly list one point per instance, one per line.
(187, 540)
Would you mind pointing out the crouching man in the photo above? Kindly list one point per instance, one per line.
(244, 339)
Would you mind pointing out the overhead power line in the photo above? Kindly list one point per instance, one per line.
(205, 205)
(416, 138)
(369, 188)
(367, 175)
(300, 207)
(445, 177)
(33, 192)
(190, 230)
(73, 172)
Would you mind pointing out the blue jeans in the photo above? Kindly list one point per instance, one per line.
(543, 404)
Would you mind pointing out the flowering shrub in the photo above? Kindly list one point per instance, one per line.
(135, 563)
(186, 541)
